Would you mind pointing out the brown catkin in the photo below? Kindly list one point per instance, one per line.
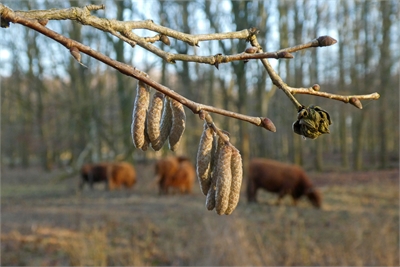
(237, 176)
(224, 179)
(178, 124)
(166, 121)
(153, 120)
(210, 199)
(138, 125)
(203, 162)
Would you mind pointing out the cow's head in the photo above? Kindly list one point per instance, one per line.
(315, 197)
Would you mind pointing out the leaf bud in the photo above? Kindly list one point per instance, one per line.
(326, 40)
(251, 50)
(284, 54)
(165, 39)
(316, 87)
(355, 102)
(268, 124)
(43, 22)
(75, 53)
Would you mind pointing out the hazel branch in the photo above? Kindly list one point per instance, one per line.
(123, 31)
(128, 70)
(207, 117)
(313, 90)
(318, 42)
(275, 78)
(352, 99)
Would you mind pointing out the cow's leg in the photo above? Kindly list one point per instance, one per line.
(280, 197)
(81, 184)
(106, 185)
(91, 182)
(251, 191)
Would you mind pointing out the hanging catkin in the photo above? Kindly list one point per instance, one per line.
(237, 176)
(218, 143)
(178, 124)
(154, 119)
(224, 179)
(138, 126)
(166, 121)
(203, 164)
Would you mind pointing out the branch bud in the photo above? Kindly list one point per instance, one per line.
(326, 40)
(251, 50)
(284, 54)
(43, 22)
(316, 87)
(355, 102)
(75, 53)
(165, 39)
(218, 59)
(268, 124)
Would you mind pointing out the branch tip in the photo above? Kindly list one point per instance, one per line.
(326, 41)
(268, 124)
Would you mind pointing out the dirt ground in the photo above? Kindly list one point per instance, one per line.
(36, 207)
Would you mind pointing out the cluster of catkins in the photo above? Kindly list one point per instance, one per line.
(156, 121)
(219, 170)
(219, 164)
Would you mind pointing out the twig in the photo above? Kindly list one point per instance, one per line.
(314, 90)
(346, 99)
(207, 117)
(123, 31)
(275, 78)
(135, 73)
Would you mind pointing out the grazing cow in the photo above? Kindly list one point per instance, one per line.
(112, 174)
(175, 172)
(282, 179)
(122, 173)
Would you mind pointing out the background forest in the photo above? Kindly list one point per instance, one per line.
(56, 113)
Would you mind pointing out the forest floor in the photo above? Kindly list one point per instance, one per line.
(47, 222)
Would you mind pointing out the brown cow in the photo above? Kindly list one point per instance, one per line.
(123, 173)
(112, 174)
(175, 172)
(282, 179)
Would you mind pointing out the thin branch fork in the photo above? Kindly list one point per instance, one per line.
(123, 31)
(314, 90)
(352, 99)
(128, 70)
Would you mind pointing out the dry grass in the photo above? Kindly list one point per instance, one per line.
(53, 226)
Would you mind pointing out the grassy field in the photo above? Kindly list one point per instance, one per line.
(48, 223)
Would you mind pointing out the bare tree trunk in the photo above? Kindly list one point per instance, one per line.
(36, 85)
(385, 66)
(298, 80)
(125, 86)
(343, 16)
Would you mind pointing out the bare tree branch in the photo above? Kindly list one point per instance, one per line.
(37, 20)
(73, 45)
(123, 31)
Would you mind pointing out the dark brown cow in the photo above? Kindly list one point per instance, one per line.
(112, 174)
(282, 179)
(175, 172)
